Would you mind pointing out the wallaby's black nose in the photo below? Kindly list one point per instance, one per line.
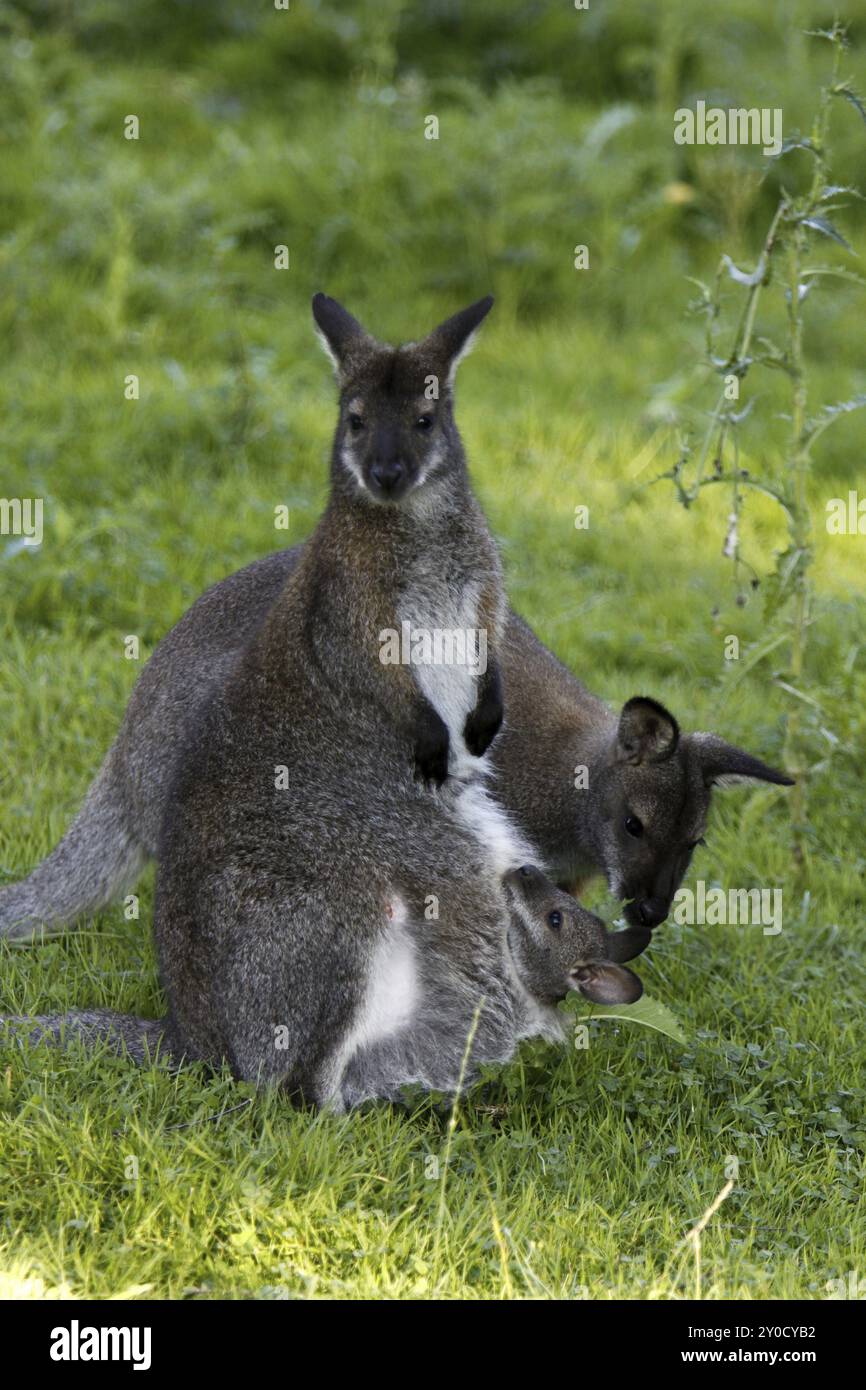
(650, 913)
(388, 475)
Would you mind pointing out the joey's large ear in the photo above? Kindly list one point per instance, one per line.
(606, 984)
(453, 339)
(720, 760)
(339, 333)
(647, 733)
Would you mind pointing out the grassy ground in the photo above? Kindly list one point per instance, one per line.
(570, 1174)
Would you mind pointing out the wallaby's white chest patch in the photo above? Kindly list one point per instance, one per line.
(507, 847)
(449, 651)
(392, 984)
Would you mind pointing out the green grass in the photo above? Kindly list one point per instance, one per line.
(573, 1173)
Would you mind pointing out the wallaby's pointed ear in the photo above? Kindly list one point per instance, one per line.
(720, 760)
(647, 732)
(604, 983)
(454, 338)
(339, 333)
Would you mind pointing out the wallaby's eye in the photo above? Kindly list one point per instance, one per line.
(424, 422)
(634, 826)
(356, 423)
(554, 919)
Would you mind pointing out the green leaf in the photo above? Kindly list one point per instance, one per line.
(825, 417)
(777, 589)
(772, 356)
(834, 35)
(758, 651)
(820, 224)
(832, 190)
(796, 143)
(647, 1011)
(843, 90)
(743, 277)
(838, 272)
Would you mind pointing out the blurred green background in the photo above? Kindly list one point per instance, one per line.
(155, 257)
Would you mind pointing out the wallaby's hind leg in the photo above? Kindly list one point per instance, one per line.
(439, 1053)
(97, 859)
(415, 1056)
(263, 975)
(465, 1010)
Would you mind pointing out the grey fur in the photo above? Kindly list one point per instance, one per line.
(280, 906)
(539, 966)
(557, 946)
(142, 1040)
(272, 904)
(280, 903)
(98, 859)
(542, 961)
(553, 725)
(638, 766)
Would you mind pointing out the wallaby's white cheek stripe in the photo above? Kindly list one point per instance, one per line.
(348, 462)
(614, 875)
(418, 497)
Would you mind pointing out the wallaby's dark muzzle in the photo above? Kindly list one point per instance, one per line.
(388, 479)
(652, 911)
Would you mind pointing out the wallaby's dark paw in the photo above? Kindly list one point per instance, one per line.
(483, 724)
(431, 751)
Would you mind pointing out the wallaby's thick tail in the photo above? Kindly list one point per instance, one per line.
(142, 1039)
(97, 859)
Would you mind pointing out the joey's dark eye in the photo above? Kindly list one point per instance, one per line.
(356, 423)
(424, 422)
(554, 919)
(634, 826)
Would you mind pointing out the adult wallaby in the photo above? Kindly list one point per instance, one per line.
(552, 945)
(319, 903)
(635, 816)
(622, 793)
